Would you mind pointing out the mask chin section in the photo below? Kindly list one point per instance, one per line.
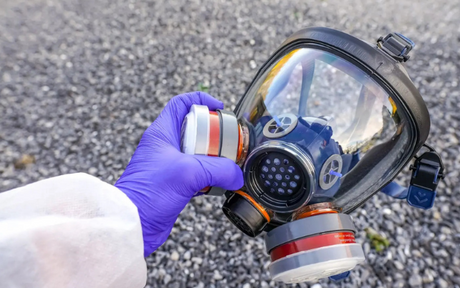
(246, 214)
(319, 243)
(280, 176)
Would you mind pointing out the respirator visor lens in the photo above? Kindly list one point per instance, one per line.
(334, 101)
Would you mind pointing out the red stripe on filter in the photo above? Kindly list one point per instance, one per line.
(214, 139)
(205, 189)
(310, 243)
(214, 134)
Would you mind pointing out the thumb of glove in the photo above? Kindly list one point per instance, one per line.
(221, 172)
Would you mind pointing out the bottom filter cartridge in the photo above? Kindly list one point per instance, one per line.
(320, 245)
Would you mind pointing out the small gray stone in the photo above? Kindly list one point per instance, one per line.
(387, 211)
(455, 279)
(161, 272)
(427, 276)
(236, 236)
(443, 253)
(398, 265)
(442, 283)
(174, 256)
(417, 254)
(415, 280)
(364, 275)
(167, 279)
(217, 275)
(455, 269)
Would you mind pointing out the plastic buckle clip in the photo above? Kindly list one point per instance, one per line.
(396, 45)
(427, 171)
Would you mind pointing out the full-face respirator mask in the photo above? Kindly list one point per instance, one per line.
(328, 121)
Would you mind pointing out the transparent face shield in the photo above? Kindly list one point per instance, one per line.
(345, 121)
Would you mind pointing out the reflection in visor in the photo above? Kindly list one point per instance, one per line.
(354, 133)
(314, 83)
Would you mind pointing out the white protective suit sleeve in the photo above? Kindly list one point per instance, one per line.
(70, 231)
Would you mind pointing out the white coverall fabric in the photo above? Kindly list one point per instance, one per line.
(70, 231)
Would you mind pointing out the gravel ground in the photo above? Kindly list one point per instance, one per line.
(81, 80)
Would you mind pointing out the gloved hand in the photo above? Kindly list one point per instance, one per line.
(160, 180)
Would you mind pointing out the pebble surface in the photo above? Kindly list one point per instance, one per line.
(81, 80)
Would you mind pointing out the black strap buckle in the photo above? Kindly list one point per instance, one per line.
(427, 170)
(396, 45)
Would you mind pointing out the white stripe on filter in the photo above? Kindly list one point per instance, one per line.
(189, 141)
(208, 135)
(201, 132)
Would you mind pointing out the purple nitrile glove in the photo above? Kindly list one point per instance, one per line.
(160, 180)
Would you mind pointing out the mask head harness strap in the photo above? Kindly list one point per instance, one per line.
(396, 45)
(427, 172)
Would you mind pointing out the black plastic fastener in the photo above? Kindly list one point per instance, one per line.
(427, 170)
(396, 45)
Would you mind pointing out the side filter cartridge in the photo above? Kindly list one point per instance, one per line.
(213, 133)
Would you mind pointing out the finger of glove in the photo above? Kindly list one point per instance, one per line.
(221, 172)
(169, 123)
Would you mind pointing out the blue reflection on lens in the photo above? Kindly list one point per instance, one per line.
(287, 177)
(267, 183)
(265, 168)
(281, 191)
(283, 184)
(278, 177)
(270, 176)
(296, 177)
(273, 169)
(293, 184)
(289, 191)
(277, 161)
(268, 161)
(282, 169)
(291, 169)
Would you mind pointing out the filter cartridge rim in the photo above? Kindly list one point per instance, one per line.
(306, 227)
(315, 264)
(196, 131)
